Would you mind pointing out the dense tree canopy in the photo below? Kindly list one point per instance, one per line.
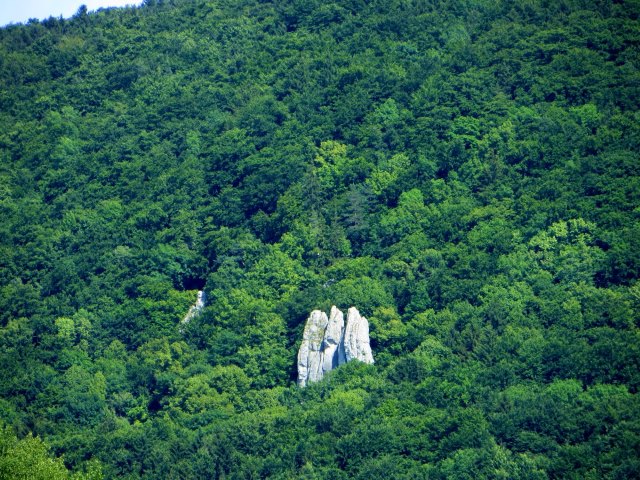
(465, 172)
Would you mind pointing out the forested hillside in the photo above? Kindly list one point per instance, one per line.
(466, 173)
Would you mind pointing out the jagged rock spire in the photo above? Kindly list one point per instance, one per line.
(333, 345)
(327, 344)
(356, 338)
(310, 357)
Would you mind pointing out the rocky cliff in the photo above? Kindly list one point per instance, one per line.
(327, 343)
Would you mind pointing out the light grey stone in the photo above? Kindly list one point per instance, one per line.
(196, 308)
(327, 344)
(357, 345)
(333, 346)
(310, 355)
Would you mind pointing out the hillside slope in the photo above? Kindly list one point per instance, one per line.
(465, 173)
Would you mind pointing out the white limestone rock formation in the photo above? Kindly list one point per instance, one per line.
(327, 344)
(310, 355)
(356, 338)
(333, 345)
(196, 308)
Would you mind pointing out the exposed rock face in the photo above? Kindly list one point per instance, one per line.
(310, 355)
(333, 346)
(196, 308)
(326, 343)
(356, 338)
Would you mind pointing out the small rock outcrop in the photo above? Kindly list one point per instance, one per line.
(310, 356)
(327, 343)
(196, 308)
(356, 338)
(333, 341)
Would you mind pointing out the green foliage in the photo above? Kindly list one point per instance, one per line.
(465, 173)
(30, 458)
